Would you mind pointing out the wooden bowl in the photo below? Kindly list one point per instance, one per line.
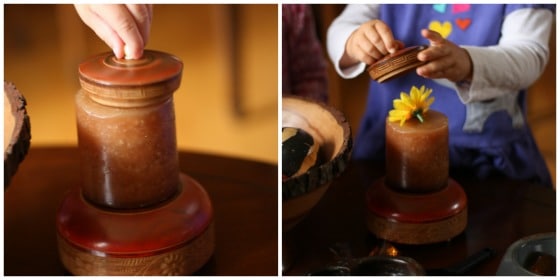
(398, 63)
(17, 131)
(331, 131)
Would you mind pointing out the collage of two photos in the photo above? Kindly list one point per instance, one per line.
(144, 139)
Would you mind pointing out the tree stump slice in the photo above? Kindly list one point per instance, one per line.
(17, 131)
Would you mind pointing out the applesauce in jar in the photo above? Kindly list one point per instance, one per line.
(126, 130)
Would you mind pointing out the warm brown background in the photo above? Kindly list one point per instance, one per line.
(227, 103)
(41, 56)
(350, 95)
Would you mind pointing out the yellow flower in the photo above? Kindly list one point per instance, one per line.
(413, 105)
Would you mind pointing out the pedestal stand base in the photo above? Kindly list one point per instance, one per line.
(409, 218)
(176, 238)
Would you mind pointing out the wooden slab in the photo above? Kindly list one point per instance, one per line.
(17, 130)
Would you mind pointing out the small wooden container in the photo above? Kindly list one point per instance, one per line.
(135, 213)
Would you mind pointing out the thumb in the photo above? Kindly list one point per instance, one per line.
(434, 37)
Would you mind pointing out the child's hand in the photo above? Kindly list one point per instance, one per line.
(445, 59)
(124, 27)
(369, 43)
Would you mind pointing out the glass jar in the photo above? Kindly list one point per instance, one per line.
(126, 129)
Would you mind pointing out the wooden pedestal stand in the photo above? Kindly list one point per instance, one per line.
(134, 213)
(411, 218)
(176, 238)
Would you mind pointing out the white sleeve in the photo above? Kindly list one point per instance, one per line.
(516, 62)
(340, 30)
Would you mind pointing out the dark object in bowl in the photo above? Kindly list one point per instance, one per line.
(395, 64)
(541, 264)
(534, 255)
(299, 151)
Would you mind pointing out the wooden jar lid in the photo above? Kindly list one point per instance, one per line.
(395, 64)
(130, 82)
(17, 131)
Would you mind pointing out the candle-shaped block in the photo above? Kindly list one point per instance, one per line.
(417, 153)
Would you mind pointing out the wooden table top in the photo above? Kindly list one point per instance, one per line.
(244, 196)
(500, 212)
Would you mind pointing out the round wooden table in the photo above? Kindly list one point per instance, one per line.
(244, 196)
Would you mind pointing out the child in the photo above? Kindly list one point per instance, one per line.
(480, 61)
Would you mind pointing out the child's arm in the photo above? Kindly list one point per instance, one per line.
(516, 62)
(339, 32)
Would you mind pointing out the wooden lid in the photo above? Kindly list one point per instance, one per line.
(130, 82)
(396, 64)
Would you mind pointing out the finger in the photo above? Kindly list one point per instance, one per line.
(122, 22)
(429, 73)
(399, 44)
(373, 44)
(430, 69)
(434, 37)
(142, 15)
(384, 31)
(433, 53)
(441, 68)
(103, 30)
(362, 49)
(370, 51)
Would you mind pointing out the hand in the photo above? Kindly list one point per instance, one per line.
(125, 28)
(445, 59)
(369, 43)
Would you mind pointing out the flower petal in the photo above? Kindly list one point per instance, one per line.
(418, 100)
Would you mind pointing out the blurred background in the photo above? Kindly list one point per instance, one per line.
(350, 95)
(227, 103)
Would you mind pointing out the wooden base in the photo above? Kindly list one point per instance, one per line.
(176, 238)
(416, 218)
(184, 260)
